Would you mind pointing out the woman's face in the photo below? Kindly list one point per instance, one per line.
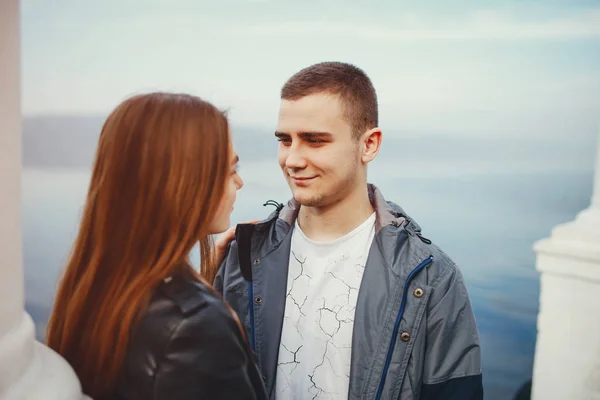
(221, 221)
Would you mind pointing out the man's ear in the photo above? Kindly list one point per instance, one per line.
(371, 142)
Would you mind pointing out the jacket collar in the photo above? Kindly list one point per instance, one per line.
(258, 240)
(387, 213)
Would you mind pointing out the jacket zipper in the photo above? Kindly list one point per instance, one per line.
(251, 310)
(388, 359)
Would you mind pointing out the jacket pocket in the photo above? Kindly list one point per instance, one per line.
(413, 379)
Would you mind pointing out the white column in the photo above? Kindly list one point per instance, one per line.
(596, 196)
(28, 369)
(567, 356)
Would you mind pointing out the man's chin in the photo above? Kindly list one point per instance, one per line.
(307, 199)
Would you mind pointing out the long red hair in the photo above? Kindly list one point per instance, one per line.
(158, 177)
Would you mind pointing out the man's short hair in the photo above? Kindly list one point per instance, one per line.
(350, 83)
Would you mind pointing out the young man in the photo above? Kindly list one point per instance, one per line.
(341, 295)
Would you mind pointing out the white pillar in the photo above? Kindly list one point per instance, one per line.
(567, 356)
(28, 369)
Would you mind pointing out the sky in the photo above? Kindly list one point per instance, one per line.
(495, 67)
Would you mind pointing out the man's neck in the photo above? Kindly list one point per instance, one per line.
(325, 224)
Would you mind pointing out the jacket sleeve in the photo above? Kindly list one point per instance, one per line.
(205, 359)
(219, 282)
(452, 369)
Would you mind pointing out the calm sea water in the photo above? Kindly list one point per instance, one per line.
(487, 223)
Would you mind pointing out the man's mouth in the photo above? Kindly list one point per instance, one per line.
(301, 180)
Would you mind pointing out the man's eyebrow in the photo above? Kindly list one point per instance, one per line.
(307, 135)
(315, 135)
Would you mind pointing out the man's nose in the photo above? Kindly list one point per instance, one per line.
(296, 159)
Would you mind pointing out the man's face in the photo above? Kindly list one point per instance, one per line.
(319, 157)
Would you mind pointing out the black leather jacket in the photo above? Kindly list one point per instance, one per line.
(188, 347)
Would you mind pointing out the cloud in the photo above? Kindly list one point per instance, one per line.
(512, 69)
(479, 25)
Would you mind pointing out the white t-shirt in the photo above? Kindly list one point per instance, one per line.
(316, 338)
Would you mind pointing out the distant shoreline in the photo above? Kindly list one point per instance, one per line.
(70, 142)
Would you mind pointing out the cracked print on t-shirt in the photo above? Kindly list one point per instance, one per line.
(316, 339)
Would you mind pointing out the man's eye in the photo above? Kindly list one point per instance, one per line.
(315, 141)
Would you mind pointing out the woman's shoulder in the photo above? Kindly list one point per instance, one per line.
(189, 345)
(180, 305)
(184, 300)
(183, 319)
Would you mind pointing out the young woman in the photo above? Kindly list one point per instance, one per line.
(132, 317)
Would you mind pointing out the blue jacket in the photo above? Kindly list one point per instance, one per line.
(414, 334)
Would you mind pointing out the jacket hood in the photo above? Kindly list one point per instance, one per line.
(387, 212)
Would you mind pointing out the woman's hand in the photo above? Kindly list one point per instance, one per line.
(223, 241)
